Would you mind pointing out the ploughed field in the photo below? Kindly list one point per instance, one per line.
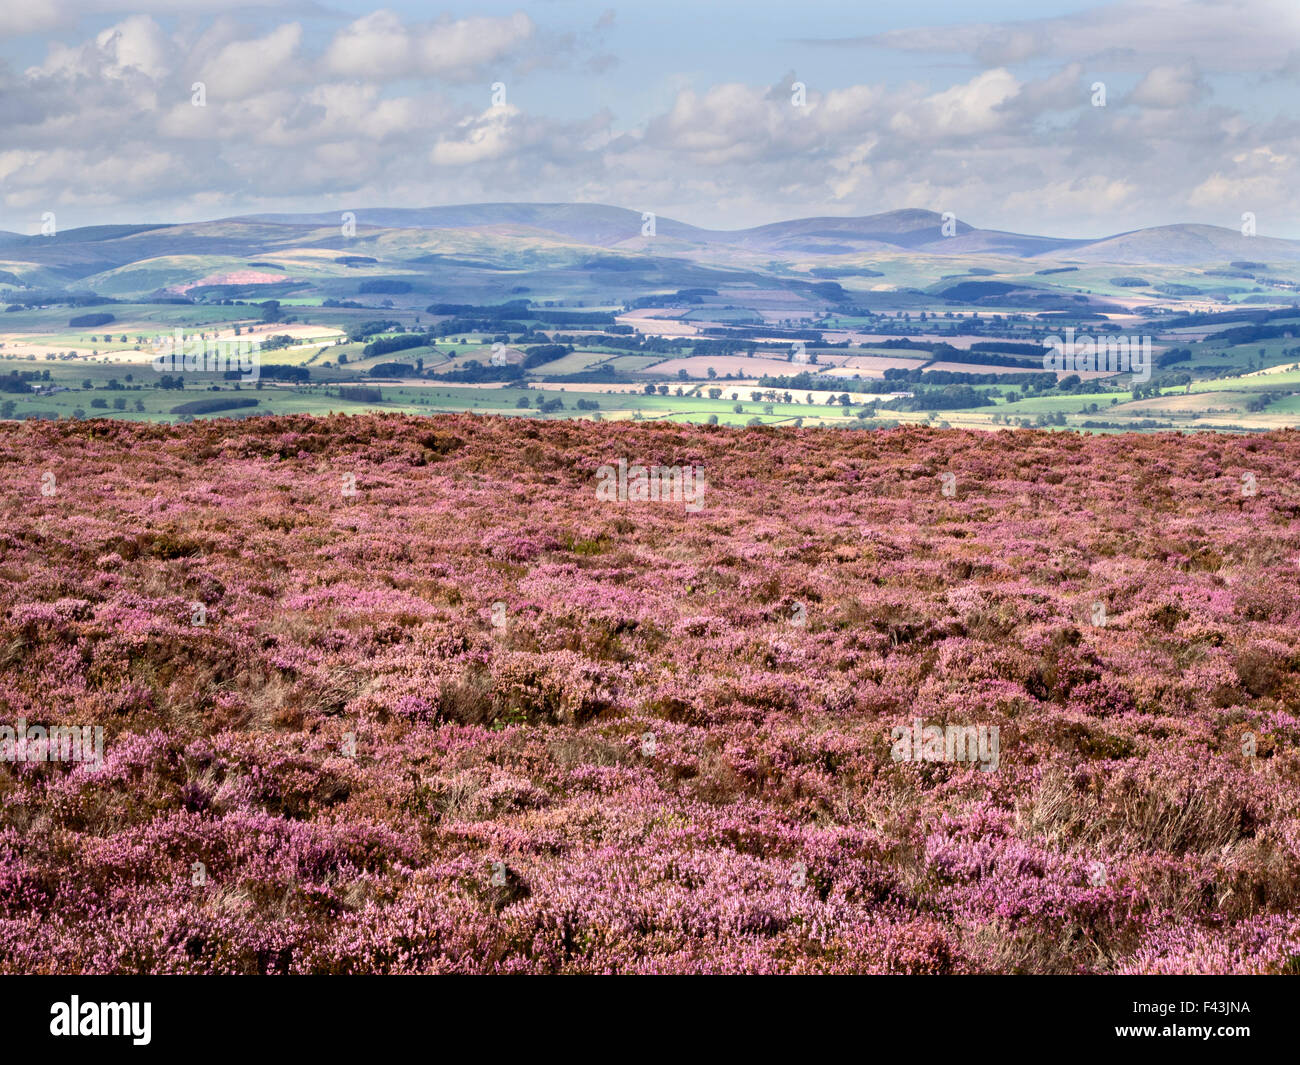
(390, 694)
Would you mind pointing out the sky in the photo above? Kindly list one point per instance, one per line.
(1067, 119)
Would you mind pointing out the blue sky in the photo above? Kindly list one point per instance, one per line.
(985, 109)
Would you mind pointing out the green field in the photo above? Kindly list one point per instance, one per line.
(583, 321)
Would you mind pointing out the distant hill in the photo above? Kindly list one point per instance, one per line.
(84, 235)
(906, 230)
(598, 248)
(583, 223)
(1184, 245)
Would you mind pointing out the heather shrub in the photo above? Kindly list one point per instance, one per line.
(466, 718)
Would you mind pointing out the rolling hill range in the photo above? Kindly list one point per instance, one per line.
(893, 231)
(590, 252)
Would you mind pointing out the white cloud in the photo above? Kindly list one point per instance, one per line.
(378, 42)
(456, 49)
(1168, 86)
(481, 139)
(32, 16)
(966, 109)
(1220, 35)
(242, 68)
(138, 44)
(380, 47)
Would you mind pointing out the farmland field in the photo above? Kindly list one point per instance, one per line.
(441, 319)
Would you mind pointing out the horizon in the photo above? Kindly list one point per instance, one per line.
(264, 217)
